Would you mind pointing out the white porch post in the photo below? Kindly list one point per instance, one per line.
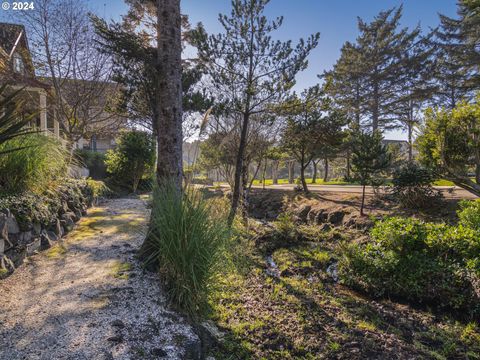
(43, 111)
(56, 126)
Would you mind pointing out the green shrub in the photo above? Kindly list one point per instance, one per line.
(31, 208)
(186, 241)
(37, 166)
(420, 262)
(95, 163)
(412, 186)
(469, 214)
(132, 159)
(97, 189)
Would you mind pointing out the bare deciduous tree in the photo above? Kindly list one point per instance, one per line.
(65, 56)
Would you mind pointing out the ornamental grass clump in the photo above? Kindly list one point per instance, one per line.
(38, 163)
(186, 243)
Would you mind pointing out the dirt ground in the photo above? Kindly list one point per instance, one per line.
(281, 299)
(270, 202)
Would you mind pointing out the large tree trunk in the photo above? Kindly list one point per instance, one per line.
(325, 175)
(302, 177)
(302, 173)
(314, 176)
(291, 171)
(238, 169)
(168, 122)
(169, 92)
(275, 172)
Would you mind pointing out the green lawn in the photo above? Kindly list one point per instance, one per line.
(443, 182)
(309, 181)
(268, 182)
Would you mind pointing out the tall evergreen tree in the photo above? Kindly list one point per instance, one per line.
(366, 79)
(314, 129)
(457, 43)
(344, 82)
(416, 89)
(382, 44)
(250, 71)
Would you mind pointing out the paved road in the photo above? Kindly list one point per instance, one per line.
(448, 191)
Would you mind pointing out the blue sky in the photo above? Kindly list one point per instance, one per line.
(336, 20)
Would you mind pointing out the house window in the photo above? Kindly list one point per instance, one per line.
(93, 143)
(18, 64)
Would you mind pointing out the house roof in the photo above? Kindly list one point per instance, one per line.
(10, 36)
(13, 39)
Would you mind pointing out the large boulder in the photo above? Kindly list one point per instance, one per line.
(47, 239)
(37, 228)
(24, 238)
(68, 221)
(302, 213)
(321, 217)
(57, 228)
(12, 225)
(16, 255)
(336, 217)
(33, 246)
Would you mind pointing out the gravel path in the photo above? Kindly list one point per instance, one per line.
(88, 298)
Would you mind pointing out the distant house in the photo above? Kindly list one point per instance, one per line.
(99, 126)
(18, 72)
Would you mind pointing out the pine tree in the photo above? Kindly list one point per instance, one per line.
(303, 129)
(458, 42)
(366, 79)
(370, 158)
(382, 45)
(345, 82)
(417, 88)
(248, 70)
(314, 129)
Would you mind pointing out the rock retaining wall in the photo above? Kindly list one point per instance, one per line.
(24, 234)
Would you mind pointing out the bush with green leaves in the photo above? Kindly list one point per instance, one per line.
(186, 242)
(412, 186)
(29, 208)
(469, 214)
(420, 262)
(132, 159)
(95, 163)
(38, 163)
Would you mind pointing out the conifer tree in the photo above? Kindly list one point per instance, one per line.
(367, 78)
(382, 44)
(417, 88)
(249, 71)
(457, 43)
(370, 158)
